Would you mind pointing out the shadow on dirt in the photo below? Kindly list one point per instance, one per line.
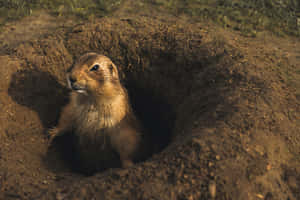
(41, 92)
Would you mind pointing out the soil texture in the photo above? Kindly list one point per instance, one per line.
(224, 109)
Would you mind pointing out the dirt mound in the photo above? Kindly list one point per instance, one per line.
(226, 125)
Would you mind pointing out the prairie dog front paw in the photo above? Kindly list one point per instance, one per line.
(52, 133)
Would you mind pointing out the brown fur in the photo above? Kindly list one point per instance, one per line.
(99, 115)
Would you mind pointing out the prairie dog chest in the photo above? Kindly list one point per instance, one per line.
(87, 119)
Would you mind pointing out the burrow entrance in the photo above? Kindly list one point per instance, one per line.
(167, 99)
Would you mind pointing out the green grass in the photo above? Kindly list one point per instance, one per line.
(15, 9)
(247, 16)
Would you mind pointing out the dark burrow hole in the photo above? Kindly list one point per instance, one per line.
(155, 113)
(152, 110)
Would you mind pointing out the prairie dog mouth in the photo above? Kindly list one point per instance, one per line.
(74, 87)
(80, 91)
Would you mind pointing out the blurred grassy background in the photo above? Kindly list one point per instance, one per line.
(248, 16)
(15, 9)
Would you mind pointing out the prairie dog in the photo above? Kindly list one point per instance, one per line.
(99, 115)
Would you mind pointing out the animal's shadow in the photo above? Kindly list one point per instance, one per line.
(41, 92)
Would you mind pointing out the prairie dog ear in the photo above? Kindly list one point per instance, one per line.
(113, 71)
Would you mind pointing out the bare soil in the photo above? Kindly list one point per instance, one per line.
(224, 109)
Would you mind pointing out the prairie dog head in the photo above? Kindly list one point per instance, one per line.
(94, 74)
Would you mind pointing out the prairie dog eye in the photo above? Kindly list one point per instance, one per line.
(95, 67)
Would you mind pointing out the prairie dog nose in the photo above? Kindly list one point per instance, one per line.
(72, 79)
